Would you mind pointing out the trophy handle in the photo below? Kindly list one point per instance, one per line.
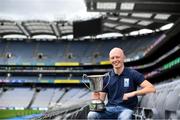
(107, 74)
(83, 78)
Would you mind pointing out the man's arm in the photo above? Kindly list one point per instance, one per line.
(98, 96)
(147, 87)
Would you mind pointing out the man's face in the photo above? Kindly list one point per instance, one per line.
(117, 59)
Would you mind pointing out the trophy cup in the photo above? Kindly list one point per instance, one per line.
(96, 85)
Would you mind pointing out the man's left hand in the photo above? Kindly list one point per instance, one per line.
(129, 95)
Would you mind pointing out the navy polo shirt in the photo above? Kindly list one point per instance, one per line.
(128, 81)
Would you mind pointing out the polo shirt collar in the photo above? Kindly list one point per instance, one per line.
(114, 74)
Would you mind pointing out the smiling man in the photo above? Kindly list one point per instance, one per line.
(121, 90)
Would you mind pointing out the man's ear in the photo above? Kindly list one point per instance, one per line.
(124, 57)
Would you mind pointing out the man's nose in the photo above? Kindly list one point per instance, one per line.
(115, 60)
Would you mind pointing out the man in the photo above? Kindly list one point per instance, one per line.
(121, 90)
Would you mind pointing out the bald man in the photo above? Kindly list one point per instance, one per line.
(121, 90)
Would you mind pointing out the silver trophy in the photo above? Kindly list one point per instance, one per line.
(96, 85)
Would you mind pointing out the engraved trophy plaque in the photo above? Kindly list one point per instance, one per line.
(96, 85)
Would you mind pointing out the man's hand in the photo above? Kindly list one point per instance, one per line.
(129, 95)
(95, 95)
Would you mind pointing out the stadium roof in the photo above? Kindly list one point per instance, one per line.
(119, 16)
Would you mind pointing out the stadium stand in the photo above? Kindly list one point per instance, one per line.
(42, 99)
(161, 103)
(21, 98)
(87, 51)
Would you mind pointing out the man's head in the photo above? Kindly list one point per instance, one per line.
(116, 57)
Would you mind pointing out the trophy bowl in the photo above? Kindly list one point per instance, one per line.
(96, 82)
(96, 85)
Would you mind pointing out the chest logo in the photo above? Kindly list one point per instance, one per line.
(126, 82)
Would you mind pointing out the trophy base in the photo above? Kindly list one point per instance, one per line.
(97, 105)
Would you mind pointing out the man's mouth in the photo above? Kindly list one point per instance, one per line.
(116, 63)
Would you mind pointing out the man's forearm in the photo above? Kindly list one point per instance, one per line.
(145, 91)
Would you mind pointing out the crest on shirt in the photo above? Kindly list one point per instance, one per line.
(126, 82)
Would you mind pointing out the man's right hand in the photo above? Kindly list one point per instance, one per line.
(95, 95)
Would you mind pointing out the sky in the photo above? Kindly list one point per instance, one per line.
(49, 10)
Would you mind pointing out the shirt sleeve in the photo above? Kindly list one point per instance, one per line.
(138, 77)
